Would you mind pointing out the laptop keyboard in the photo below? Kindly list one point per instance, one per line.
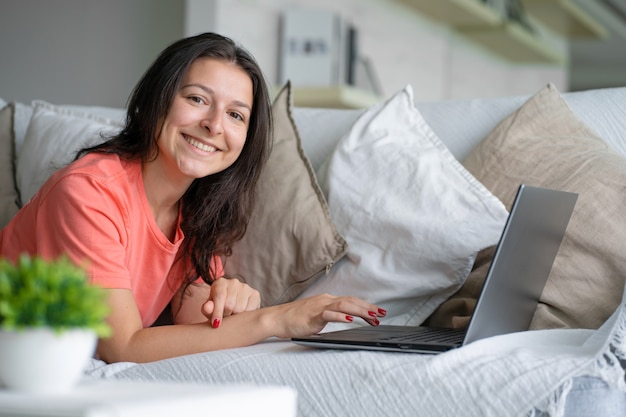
(429, 334)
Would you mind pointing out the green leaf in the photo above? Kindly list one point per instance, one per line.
(35, 292)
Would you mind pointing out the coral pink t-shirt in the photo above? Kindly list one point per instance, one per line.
(96, 209)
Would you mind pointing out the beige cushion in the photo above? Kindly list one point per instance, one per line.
(291, 239)
(545, 144)
(8, 193)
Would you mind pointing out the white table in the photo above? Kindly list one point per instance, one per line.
(125, 399)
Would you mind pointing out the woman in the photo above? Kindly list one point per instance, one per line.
(155, 207)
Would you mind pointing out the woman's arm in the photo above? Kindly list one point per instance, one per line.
(200, 301)
(130, 342)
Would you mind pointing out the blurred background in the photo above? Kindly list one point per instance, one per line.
(339, 53)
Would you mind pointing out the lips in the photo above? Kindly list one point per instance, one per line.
(197, 144)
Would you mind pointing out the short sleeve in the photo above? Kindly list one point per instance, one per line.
(84, 219)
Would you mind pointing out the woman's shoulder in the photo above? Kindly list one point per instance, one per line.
(92, 186)
(100, 164)
(95, 171)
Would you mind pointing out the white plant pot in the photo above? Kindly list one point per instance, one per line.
(40, 361)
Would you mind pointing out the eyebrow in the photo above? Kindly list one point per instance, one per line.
(210, 91)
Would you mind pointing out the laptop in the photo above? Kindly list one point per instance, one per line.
(510, 294)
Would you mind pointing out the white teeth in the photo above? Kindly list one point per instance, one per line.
(200, 145)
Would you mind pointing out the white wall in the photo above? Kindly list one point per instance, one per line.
(92, 52)
(404, 46)
(89, 52)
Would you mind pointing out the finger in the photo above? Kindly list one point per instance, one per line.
(241, 297)
(359, 308)
(372, 309)
(249, 299)
(369, 318)
(218, 296)
(207, 308)
(232, 304)
(254, 302)
(237, 303)
(337, 317)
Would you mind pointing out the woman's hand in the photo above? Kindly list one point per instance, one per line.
(310, 315)
(229, 296)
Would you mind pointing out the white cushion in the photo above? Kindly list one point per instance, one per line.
(8, 193)
(52, 138)
(23, 113)
(413, 216)
(115, 114)
(320, 130)
(21, 119)
(604, 111)
(462, 123)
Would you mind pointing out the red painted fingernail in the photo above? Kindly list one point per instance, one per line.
(382, 311)
(371, 313)
(216, 323)
(349, 318)
(376, 322)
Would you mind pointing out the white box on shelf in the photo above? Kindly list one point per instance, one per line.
(317, 48)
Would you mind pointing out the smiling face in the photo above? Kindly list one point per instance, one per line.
(206, 127)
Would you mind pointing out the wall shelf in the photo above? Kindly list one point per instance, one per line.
(565, 18)
(456, 12)
(482, 24)
(338, 97)
(515, 43)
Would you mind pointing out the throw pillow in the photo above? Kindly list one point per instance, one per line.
(291, 239)
(21, 118)
(413, 216)
(52, 138)
(545, 144)
(8, 193)
(318, 143)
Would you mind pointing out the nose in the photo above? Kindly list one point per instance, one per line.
(212, 121)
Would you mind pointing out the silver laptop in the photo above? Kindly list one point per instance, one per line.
(510, 294)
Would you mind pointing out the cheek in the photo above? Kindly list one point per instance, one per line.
(164, 129)
(242, 143)
(179, 115)
(238, 142)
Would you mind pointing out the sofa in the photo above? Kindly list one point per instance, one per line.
(402, 204)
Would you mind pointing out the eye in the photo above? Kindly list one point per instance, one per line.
(196, 99)
(236, 116)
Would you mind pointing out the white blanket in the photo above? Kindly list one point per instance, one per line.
(511, 375)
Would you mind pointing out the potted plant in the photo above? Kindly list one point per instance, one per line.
(50, 319)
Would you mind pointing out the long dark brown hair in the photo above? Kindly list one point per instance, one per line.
(215, 208)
